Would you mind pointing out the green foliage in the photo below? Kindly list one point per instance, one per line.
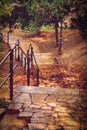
(47, 27)
(5, 7)
(31, 27)
(80, 19)
(43, 12)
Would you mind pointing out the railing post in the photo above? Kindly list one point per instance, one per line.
(60, 49)
(25, 64)
(31, 56)
(15, 52)
(37, 76)
(21, 57)
(11, 74)
(18, 50)
(28, 68)
(8, 38)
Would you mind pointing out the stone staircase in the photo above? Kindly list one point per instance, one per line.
(50, 108)
(45, 58)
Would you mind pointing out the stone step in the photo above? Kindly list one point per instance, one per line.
(41, 126)
(44, 58)
(47, 90)
(14, 108)
(50, 108)
(30, 96)
(25, 115)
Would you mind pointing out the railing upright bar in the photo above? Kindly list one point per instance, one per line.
(31, 57)
(21, 57)
(11, 74)
(37, 77)
(28, 68)
(15, 52)
(8, 37)
(18, 51)
(35, 60)
(25, 64)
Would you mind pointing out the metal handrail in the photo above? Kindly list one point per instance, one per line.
(8, 53)
(35, 61)
(29, 58)
(4, 59)
(32, 53)
(29, 47)
(23, 51)
(16, 44)
(12, 68)
(3, 82)
(32, 57)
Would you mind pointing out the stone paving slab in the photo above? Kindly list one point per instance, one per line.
(48, 90)
(51, 108)
(45, 58)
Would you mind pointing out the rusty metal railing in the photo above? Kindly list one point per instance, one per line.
(28, 62)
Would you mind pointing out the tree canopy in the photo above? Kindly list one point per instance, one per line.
(6, 8)
(80, 18)
(42, 11)
(39, 12)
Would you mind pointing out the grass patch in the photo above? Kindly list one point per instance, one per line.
(47, 27)
(32, 29)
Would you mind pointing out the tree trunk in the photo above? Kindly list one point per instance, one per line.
(61, 41)
(38, 33)
(56, 32)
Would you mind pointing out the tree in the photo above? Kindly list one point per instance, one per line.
(6, 8)
(41, 12)
(57, 10)
(48, 11)
(80, 19)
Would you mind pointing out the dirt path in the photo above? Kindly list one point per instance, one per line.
(67, 70)
(74, 48)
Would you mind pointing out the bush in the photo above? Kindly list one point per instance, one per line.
(31, 27)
